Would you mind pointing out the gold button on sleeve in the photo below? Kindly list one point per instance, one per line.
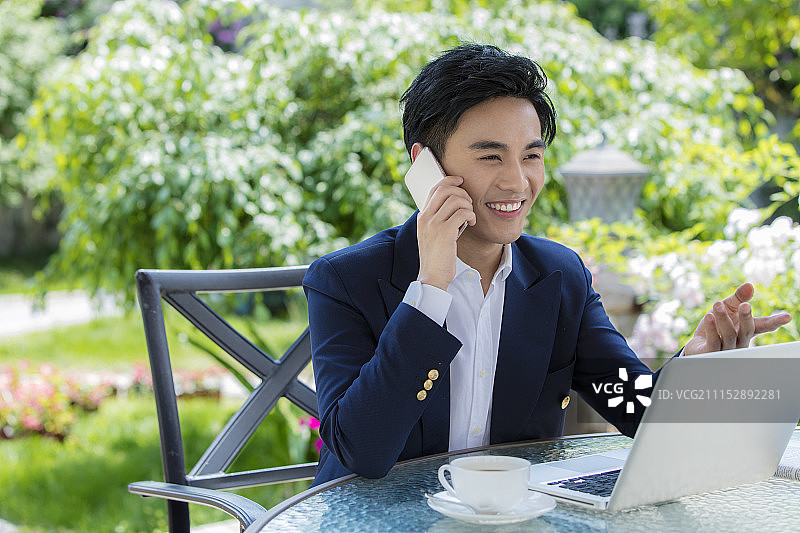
(428, 385)
(565, 402)
(433, 375)
(421, 395)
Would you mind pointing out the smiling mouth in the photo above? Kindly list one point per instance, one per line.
(506, 207)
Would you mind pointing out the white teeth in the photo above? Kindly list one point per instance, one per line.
(506, 207)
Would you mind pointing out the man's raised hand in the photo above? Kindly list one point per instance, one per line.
(438, 223)
(730, 324)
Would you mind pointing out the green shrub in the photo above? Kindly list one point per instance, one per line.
(757, 36)
(171, 153)
(158, 162)
(28, 45)
(610, 17)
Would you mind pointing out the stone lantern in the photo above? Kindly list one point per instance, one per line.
(603, 182)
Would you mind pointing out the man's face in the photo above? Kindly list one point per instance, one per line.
(497, 148)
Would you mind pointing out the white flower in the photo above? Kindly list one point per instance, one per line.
(657, 331)
(721, 249)
(689, 290)
(664, 311)
(782, 231)
(719, 253)
(740, 220)
(795, 261)
(670, 261)
(763, 267)
(642, 266)
(760, 237)
(678, 272)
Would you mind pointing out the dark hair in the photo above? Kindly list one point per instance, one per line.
(462, 78)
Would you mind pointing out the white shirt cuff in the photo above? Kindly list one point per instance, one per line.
(432, 301)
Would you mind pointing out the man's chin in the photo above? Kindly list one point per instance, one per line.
(495, 237)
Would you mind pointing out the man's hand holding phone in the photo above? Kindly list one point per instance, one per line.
(446, 210)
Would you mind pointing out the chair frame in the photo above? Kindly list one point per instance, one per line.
(203, 482)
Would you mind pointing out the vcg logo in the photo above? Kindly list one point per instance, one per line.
(643, 382)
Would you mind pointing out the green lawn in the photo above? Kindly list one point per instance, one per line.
(117, 343)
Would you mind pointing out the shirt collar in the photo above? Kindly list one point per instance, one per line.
(503, 269)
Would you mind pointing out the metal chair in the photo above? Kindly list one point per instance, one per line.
(202, 484)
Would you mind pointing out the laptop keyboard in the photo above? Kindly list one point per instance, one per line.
(597, 484)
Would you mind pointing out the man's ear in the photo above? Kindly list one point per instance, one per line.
(416, 148)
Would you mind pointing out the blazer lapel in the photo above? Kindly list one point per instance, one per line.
(405, 266)
(530, 313)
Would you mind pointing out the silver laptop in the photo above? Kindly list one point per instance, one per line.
(713, 421)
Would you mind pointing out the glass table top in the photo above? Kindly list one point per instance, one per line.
(396, 503)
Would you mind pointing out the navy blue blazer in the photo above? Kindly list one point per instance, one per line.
(372, 353)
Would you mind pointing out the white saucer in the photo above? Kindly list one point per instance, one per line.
(533, 505)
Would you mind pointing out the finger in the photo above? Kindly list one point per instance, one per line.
(707, 329)
(763, 324)
(725, 328)
(443, 193)
(743, 294)
(747, 326)
(451, 205)
(462, 215)
(448, 182)
(440, 195)
(449, 218)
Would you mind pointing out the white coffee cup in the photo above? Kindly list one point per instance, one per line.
(487, 483)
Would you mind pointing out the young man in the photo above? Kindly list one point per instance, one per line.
(424, 341)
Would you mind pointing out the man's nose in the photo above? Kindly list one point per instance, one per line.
(513, 178)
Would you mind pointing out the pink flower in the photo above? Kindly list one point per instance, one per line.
(310, 422)
(141, 375)
(318, 445)
(32, 422)
(47, 370)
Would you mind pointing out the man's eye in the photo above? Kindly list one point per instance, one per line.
(533, 156)
(493, 156)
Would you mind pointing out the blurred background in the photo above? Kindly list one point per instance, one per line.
(233, 134)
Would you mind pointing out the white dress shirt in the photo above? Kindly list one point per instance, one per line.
(475, 320)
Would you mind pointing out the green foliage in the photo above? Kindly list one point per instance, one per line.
(171, 153)
(77, 16)
(28, 45)
(80, 484)
(756, 36)
(781, 163)
(647, 102)
(610, 17)
(159, 163)
(691, 197)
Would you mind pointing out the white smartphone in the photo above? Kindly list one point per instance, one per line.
(425, 172)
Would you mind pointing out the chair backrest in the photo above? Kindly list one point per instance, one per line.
(279, 378)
